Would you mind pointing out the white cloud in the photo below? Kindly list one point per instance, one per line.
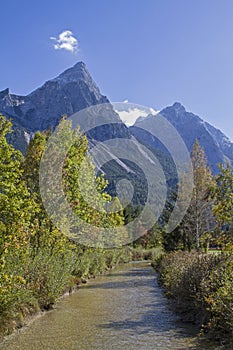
(153, 112)
(66, 41)
(130, 115)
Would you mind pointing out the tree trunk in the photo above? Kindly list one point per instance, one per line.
(197, 237)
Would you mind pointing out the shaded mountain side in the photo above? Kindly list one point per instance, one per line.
(70, 92)
(218, 148)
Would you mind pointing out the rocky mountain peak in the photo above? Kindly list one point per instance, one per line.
(217, 146)
(68, 93)
(178, 107)
(76, 73)
(4, 93)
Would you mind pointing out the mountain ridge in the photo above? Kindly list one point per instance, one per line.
(74, 89)
(218, 147)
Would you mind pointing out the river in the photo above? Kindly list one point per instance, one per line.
(125, 309)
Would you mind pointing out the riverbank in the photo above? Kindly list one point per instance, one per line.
(29, 319)
(92, 263)
(200, 288)
(103, 263)
(124, 308)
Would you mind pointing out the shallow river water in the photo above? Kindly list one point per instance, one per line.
(122, 310)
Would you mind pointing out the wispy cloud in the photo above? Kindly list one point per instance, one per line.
(65, 41)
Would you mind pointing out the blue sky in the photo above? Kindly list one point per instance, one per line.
(150, 52)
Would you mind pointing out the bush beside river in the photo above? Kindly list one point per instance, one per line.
(48, 279)
(201, 288)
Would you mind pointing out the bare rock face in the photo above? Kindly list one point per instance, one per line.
(70, 92)
(217, 146)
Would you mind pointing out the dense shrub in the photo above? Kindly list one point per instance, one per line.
(141, 253)
(202, 287)
(49, 275)
(114, 257)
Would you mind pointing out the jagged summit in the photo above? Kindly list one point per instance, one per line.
(4, 92)
(69, 92)
(178, 107)
(78, 72)
(217, 146)
(76, 75)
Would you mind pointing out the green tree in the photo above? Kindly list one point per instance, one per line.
(198, 218)
(32, 160)
(16, 211)
(223, 204)
(87, 192)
